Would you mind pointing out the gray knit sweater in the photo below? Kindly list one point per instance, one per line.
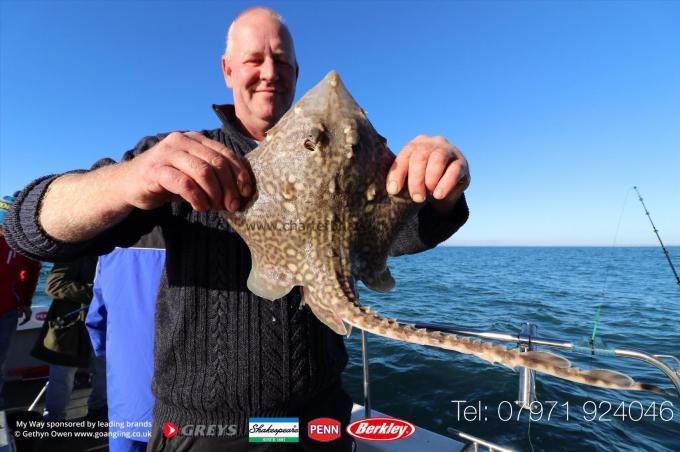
(221, 354)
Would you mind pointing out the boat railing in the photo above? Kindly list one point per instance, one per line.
(472, 443)
(528, 339)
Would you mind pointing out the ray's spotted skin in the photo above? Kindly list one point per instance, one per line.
(320, 206)
(321, 218)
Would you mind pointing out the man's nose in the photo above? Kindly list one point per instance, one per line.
(268, 70)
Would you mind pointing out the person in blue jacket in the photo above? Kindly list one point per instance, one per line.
(120, 322)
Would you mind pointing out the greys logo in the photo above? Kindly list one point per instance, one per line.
(202, 430)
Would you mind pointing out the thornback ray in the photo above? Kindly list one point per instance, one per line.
(322, 219)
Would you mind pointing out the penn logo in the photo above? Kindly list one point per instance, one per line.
(170, 430)
(323, 429)
(381, 429)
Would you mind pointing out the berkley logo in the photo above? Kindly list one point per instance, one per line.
(169, 430)
(381, 429)
(323, 429)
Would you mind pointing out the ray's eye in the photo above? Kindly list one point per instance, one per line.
(309, 145)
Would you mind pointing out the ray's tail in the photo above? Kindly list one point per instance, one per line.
(544, 362)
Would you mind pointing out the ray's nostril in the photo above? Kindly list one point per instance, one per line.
(317, 134)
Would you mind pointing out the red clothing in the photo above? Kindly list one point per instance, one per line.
(18, 278)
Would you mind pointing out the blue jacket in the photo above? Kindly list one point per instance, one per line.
(120, 321)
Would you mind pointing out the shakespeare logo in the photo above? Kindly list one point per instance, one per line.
(273, 430)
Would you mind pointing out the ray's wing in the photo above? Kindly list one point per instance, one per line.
(321, 302)
(269, 281)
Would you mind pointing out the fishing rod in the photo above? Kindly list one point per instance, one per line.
(656, 231)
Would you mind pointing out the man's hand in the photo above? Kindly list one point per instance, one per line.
(189, 166)
(78, 207)
(26, 312)
(432, 166)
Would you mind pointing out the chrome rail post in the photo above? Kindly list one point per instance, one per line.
(367, 384)
(37, 399)
(527, 377)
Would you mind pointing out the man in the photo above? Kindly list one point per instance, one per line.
(18, 280)
(221, 354)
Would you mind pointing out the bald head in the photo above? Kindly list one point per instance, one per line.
(257, 14)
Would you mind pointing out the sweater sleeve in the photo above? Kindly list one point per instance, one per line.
(25, 234)
(429, 228)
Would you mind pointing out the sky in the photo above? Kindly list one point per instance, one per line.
(559, 107)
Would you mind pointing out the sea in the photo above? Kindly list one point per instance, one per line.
(559, 290)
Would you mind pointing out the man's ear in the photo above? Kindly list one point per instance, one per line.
(297, 71)
(226, 70)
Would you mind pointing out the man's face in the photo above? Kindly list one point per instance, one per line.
(261, 71)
